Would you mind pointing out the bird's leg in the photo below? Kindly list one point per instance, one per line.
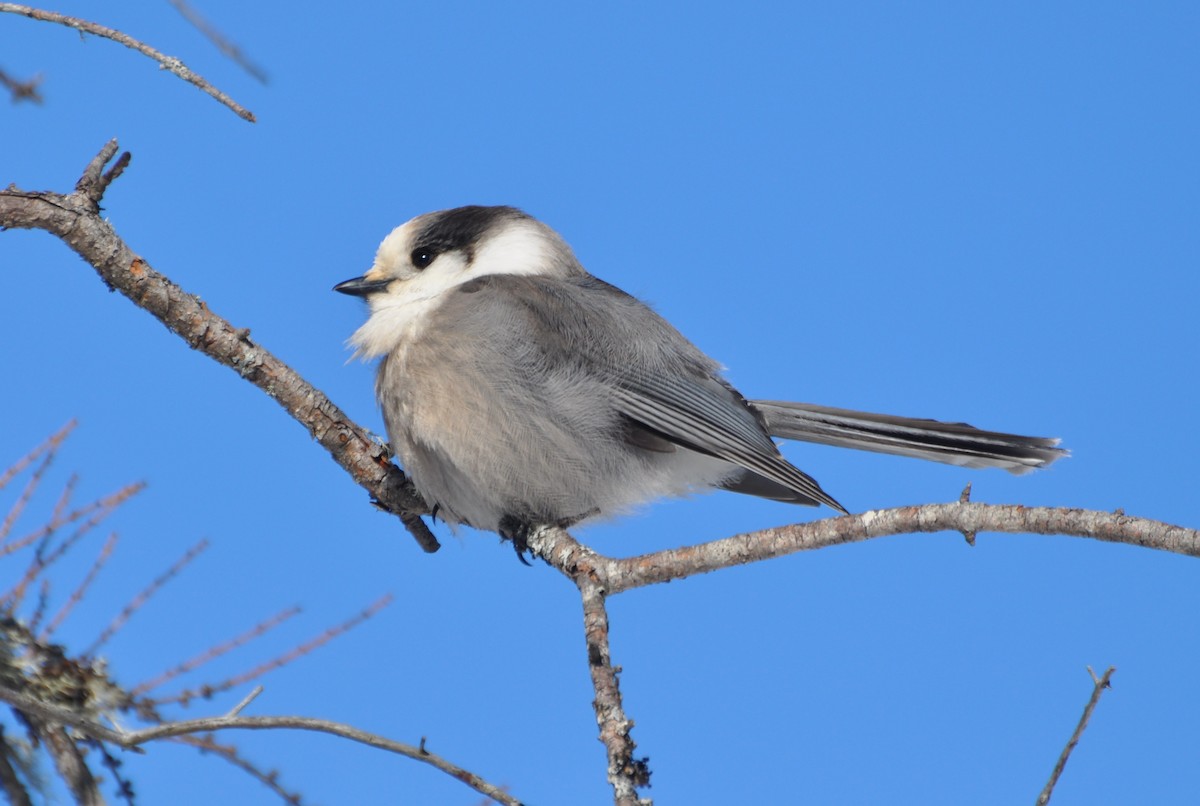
(518, 529)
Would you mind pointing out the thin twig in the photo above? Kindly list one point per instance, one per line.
(64, 499)
(138, 601)
(208, 691)
(102, 508)
(51, 444)
(260, 629)
(124, 786)
(26, 495)
(42, 560)
(81, 589)
(10, 782)
(168, 62)
(227, 47)
(1099, 685)
(249, 698)
(268, 778)
(39, 610)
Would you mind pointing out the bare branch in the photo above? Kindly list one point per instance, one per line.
(598, 576)
(51, 444)
(140, 600)
(98, 510)
(207, 691)
(663, 566)
(43, 558)
(131, 739)
(249, 698)
(68, 758)
(217, 38)
(94, 182)
(626, 773)
(81, 589)
(49, 448)
(168, 62)
(124, 787)
(268, 778)
(74, 218)
(217, 651)
(1099, 685)
(39, 610)
(13, 787)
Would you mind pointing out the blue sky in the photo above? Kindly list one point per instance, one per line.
(986, 212)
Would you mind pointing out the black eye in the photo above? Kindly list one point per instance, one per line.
(422, 257)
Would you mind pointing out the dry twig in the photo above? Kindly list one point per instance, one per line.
(137, 602)
(210, 690)
(207, 743)
(217, 651)
(168, 62)
(223, 44)
(81, 589)
(47, 450)
(1098, 687)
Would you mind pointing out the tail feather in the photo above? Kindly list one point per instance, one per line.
(952, 443)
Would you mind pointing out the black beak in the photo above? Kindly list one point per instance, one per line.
(361, 286)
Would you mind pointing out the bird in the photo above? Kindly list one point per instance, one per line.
(520, 391)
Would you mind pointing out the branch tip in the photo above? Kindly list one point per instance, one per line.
(118, 168)
(1099, 685)
(249, 698)
(95, 181)
(420, 532)
(166, 62)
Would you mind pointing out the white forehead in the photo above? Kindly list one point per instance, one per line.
(394, 250)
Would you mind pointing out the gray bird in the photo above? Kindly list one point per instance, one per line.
(518, 390)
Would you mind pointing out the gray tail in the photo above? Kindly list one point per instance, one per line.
(952, 443)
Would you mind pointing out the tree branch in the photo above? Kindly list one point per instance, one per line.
(223, 44)
(168, 62)
(68, 758)
(967, 518)
(598, 576)
(136, 738)
(10, 781)
(1099, 685)
(626, 773)
(75, 218)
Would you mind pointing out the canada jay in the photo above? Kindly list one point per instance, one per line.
(518, 390)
